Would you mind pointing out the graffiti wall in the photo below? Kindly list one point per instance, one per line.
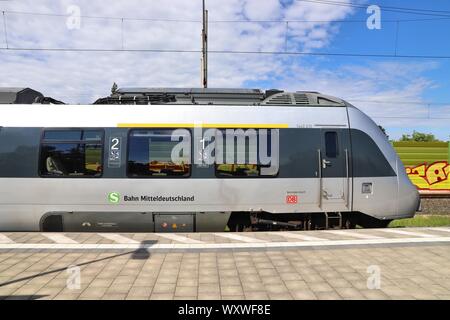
(434, 176)
(427, 164)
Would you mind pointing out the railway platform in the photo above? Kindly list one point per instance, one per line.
(400, 263)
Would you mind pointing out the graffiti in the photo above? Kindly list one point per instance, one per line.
(434, 176)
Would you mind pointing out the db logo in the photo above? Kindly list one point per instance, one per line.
(291, 199)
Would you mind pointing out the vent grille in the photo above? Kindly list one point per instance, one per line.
(281, 98)
(301, 98)
(288, 99)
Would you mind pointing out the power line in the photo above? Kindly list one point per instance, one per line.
(425, 12)
(326, 21)
(408, 102)
(428, 117)
(383, 7)
(121, 33)
(48, 14)
(287, 53)
(218, 21)
(427, 104)
(410, 118)
(5, 29)
(396, 36)
(401, 102)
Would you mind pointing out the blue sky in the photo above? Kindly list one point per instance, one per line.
(429, 37)
(401, 94)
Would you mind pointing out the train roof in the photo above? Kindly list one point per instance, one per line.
(219, 96)
(13, 95)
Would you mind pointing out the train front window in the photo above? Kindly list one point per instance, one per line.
(331, 144)
(159, 153)
(66, 154)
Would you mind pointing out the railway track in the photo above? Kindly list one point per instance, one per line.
(434, 194)
(435, 202)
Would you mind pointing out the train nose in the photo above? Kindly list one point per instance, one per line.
(408, 197)
(419, 206)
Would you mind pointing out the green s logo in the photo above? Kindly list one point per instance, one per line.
(114, 197)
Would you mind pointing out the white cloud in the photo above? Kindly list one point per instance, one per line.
(82, 77)
(262, 10)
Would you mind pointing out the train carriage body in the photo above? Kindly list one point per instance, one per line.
(102, 168)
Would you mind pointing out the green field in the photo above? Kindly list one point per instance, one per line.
(422, 221)
(413, 153)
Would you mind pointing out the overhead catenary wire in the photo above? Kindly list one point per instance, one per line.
(237, 51)
(121, 33)
(249, 52)
(406, 102)
(49, 14)
(64, 15)
(352, 4)
(410, 118)
(5, 30)
(396, 36)
(424, 12)
(400, 102)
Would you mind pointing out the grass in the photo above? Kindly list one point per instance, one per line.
(422, 221)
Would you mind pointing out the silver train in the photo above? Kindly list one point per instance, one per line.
(106, 166)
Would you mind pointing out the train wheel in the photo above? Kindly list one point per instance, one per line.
(384, 223)
(349, 224)
(377, 224)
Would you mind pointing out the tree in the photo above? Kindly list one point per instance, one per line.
(419, 137)
(114, 88)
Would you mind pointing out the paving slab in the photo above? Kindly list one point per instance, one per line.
(412, 264)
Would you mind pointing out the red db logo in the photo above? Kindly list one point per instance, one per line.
(291, 199)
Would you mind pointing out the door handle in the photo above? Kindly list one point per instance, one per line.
(326, 163)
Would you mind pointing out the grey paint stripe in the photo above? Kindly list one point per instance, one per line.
(300, 235)
(58, 238)
(5, 239)
(220, 246)
(238, 237)
(440, 229)
(359, 235)
(117, 238)
(407, 233)
(176, 237)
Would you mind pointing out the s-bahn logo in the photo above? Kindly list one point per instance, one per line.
(291, 199)
(113, 197)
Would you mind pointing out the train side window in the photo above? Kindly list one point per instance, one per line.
(151, 153)
(71, 153)
(92, 135)
(246, 161)
(62, 135)
(331, 144)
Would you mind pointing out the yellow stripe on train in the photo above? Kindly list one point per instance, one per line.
(205, 125)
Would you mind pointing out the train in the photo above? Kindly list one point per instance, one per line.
(306, 161)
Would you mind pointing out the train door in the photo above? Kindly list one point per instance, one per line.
(334, 171)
